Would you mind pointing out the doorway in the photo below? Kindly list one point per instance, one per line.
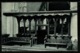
(41, 35)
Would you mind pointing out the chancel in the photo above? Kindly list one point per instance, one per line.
(52, 25)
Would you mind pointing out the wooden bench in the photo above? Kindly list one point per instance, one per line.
(20, 40)
(58, 42)
(17, 40)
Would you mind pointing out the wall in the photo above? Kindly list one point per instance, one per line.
(6, 21)
(9, 24)
(74, 31)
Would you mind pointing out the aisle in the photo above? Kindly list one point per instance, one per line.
(33, 48)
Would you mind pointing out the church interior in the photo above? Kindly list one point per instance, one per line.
(51, 24)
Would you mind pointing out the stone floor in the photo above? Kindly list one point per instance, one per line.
(28, 48)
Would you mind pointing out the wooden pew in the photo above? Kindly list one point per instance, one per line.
(58, 42)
